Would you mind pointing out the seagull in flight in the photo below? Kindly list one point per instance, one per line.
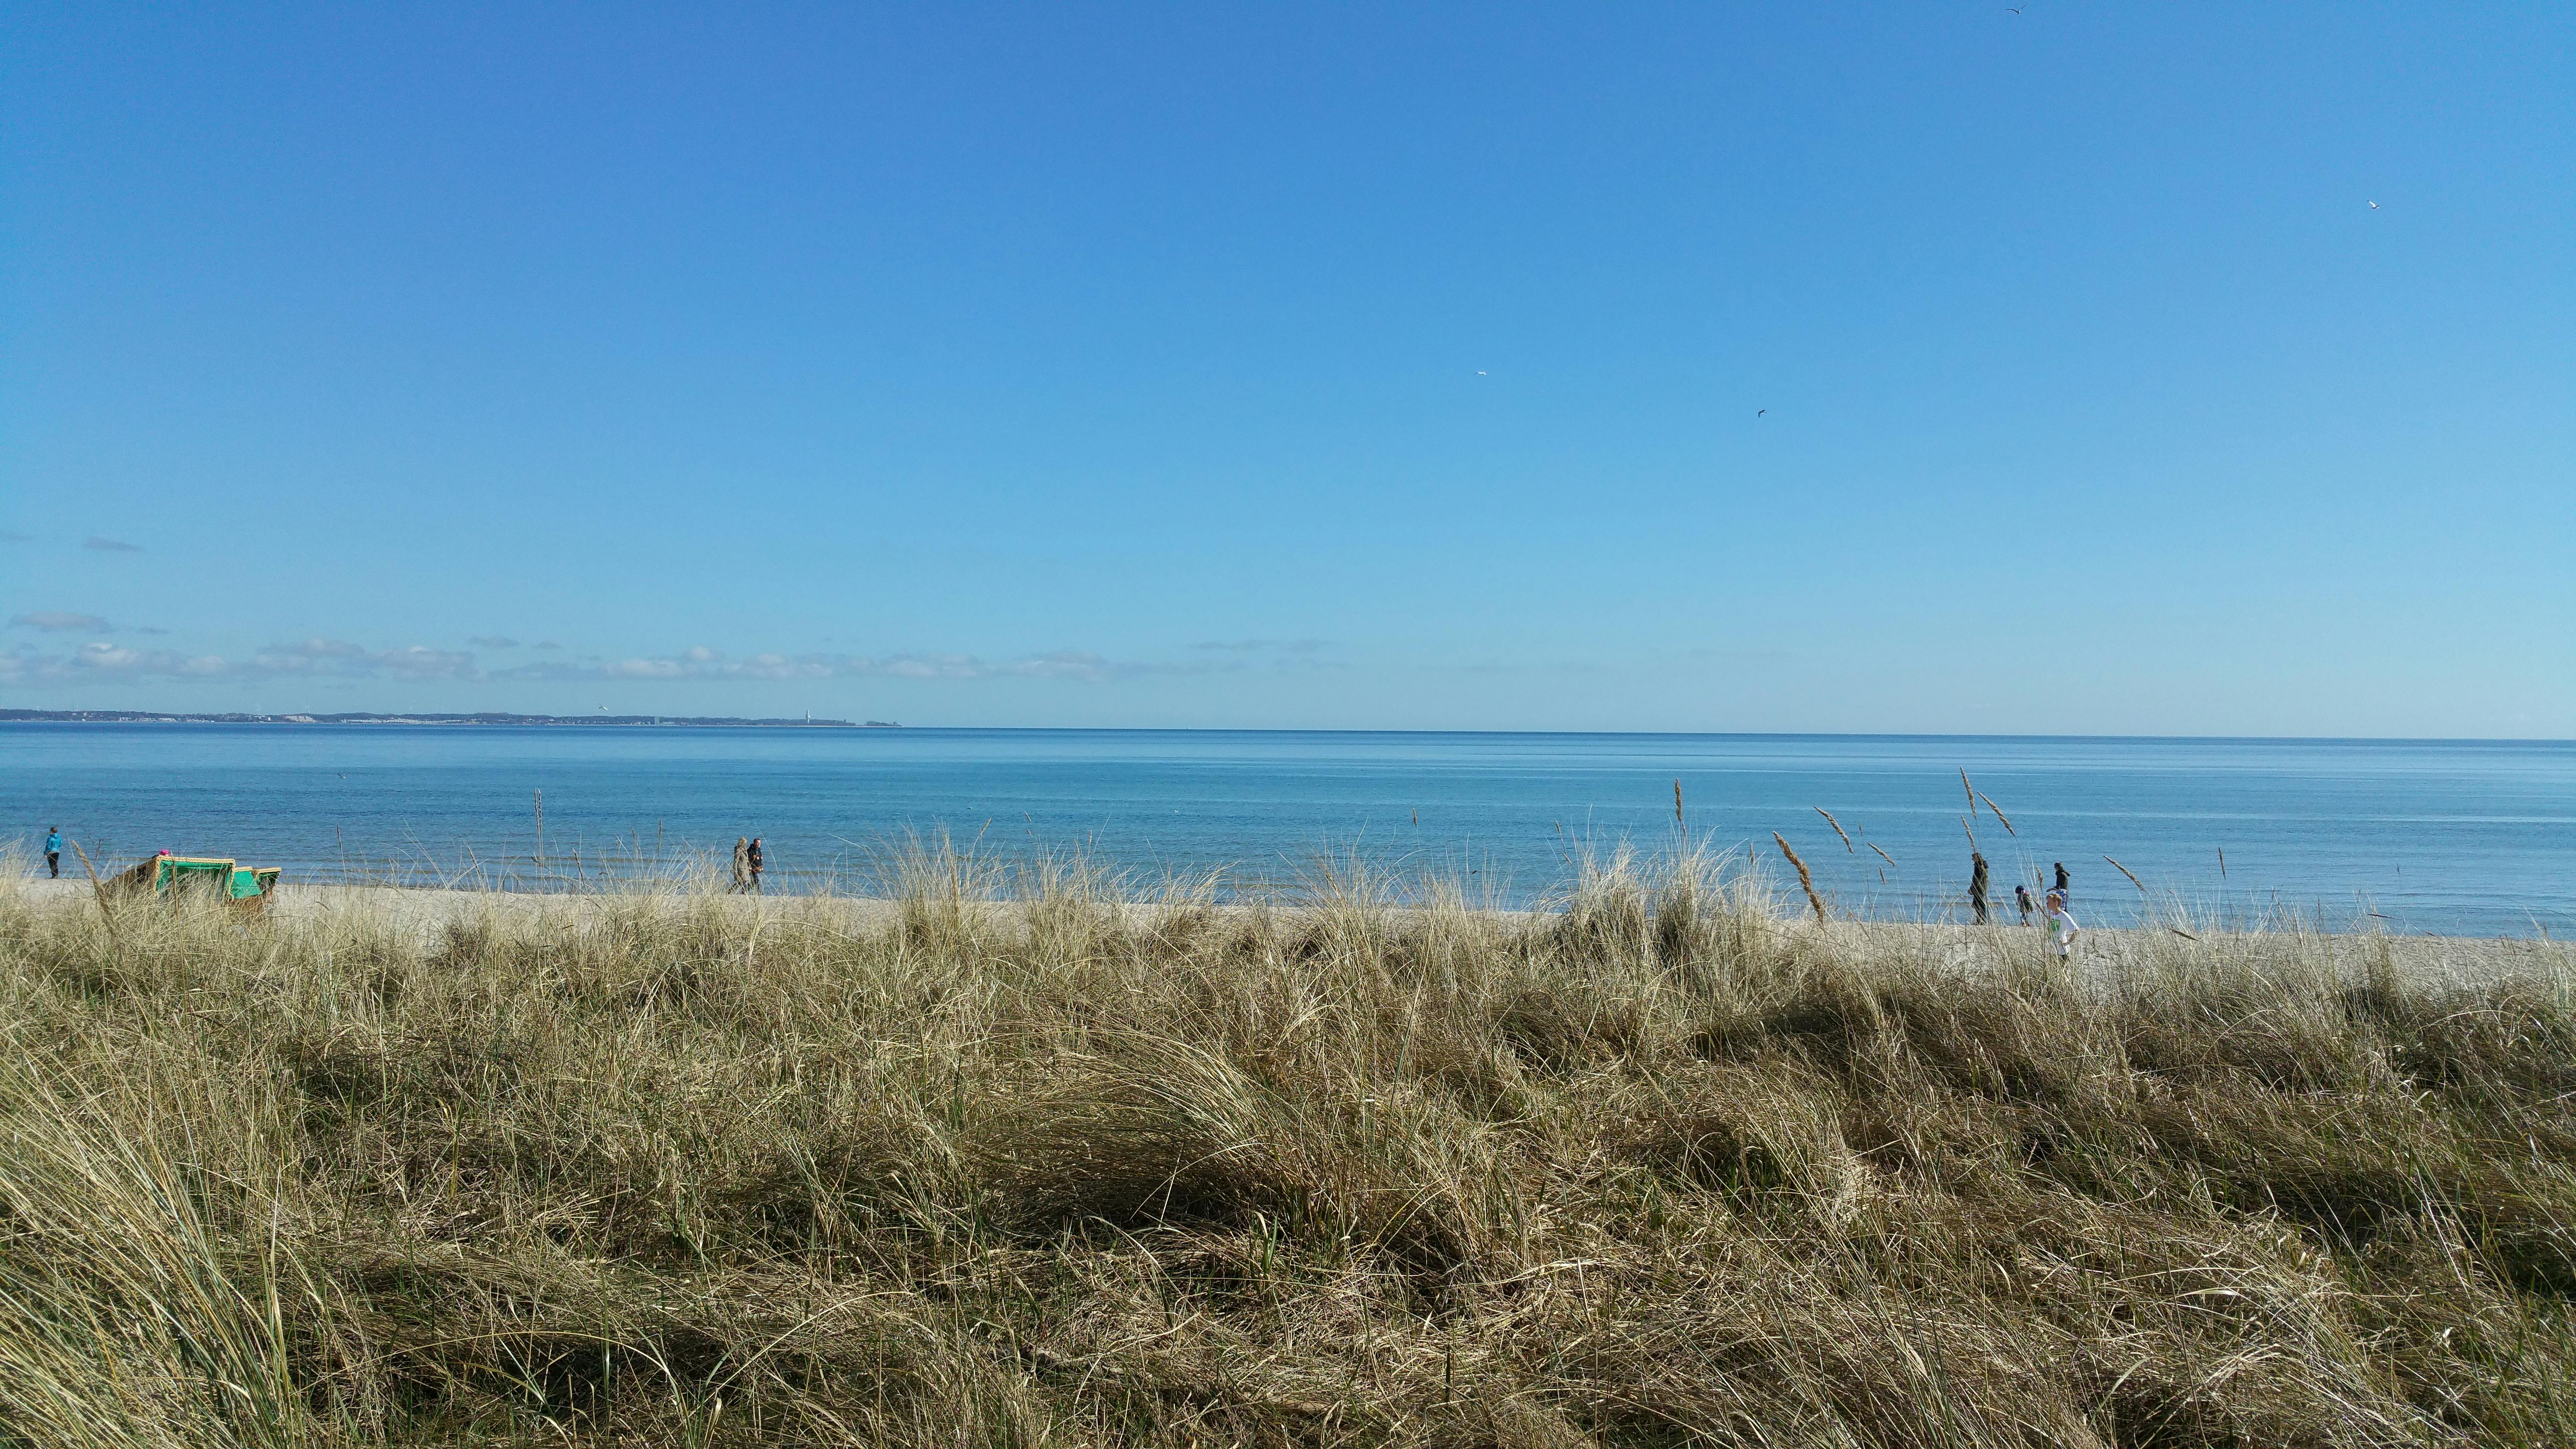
(2374, 206)
(1757, 412)
(1480, 372)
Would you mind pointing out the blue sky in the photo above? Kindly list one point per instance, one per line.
(1905, 368)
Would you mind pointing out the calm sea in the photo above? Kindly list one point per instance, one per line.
(2432, 836)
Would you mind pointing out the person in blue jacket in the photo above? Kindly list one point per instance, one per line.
(54, 850)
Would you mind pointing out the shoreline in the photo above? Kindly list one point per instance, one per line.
(2116, 950)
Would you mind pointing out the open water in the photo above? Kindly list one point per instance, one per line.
(2452, 837)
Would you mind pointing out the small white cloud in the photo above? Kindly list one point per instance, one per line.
(1264, 646)
(315, 648)
(96, 661)
(96, 544)
(319, 656)
(419, 662)
(702, 663)
(117, 659)
(1065, 664)
(53, 622)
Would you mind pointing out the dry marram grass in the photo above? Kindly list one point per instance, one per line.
(1838, 828)
(1018, 1162)
(1998, 814)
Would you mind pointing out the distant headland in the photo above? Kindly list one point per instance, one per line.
(488, 717)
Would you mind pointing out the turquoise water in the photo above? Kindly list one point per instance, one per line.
(2441, 836)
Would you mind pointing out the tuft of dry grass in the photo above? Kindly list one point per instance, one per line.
(1999, 814)
(1838, 829)
(1017, 1157)
(2132, 875)
(1806, 882)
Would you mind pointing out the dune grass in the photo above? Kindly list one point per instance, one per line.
(1020, 1161)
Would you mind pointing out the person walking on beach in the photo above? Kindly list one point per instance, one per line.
(755, 864)
(2021, 898)
(54, 851)
(741, 865)
(2063, 892)
(1977, 886)
(2061, 924)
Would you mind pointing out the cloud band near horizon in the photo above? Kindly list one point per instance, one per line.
(322, 658)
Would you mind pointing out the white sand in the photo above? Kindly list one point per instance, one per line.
(2107, 951)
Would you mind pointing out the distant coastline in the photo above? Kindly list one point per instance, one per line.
(488, 717)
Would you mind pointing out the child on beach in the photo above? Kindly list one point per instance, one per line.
(2021, 898)
(2061, 924)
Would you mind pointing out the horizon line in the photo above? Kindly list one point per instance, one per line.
(360, 717)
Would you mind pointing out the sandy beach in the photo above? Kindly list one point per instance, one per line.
(2109, 951)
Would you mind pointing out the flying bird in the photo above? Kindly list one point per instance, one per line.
(1480, 372)
(2013, 9)
(1757, 412)
(2374, 206)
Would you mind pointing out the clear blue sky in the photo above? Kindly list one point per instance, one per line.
(1923, 367)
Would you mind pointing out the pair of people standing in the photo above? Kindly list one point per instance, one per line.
(747, 863)
(2021, 893)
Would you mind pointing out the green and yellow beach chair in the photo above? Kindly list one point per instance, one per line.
(199, 877)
